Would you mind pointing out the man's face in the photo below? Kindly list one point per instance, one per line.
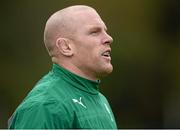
(92, 45)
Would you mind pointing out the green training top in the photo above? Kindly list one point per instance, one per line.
(63, 100)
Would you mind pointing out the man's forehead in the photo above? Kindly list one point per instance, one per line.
(90, 17)
(78, 16)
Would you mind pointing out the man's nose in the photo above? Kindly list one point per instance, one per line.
(108, 39)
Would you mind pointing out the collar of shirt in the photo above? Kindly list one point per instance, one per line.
(79, 82)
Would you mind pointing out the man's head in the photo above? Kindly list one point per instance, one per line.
(76, 39)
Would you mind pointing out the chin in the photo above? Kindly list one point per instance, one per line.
(107, 71)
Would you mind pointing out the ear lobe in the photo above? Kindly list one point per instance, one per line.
(64, 47)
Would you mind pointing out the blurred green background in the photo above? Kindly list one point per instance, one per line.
(144, 88)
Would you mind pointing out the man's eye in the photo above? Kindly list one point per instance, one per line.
(94, 32)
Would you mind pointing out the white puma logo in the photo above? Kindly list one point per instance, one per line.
(79, 102)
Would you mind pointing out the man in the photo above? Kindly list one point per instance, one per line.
(67, 97)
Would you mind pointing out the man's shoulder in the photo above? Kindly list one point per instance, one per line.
(35, 112)
(50, 92)
(37, 101)
(51, 80)
(45, 94)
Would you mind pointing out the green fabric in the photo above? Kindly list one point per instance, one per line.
(62, 99)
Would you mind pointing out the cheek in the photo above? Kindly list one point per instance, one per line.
(91, 57)
(96, 53)
(92, 51)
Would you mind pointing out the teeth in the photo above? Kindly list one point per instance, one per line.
(107, 54)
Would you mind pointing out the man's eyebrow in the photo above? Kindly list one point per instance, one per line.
(98, 27)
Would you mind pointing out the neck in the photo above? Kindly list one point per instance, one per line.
(76, 70)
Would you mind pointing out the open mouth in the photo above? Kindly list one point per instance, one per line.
(107, 53)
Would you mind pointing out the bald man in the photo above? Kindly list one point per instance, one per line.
(68, 96)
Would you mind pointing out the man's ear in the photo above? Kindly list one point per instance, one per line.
(64, 46)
